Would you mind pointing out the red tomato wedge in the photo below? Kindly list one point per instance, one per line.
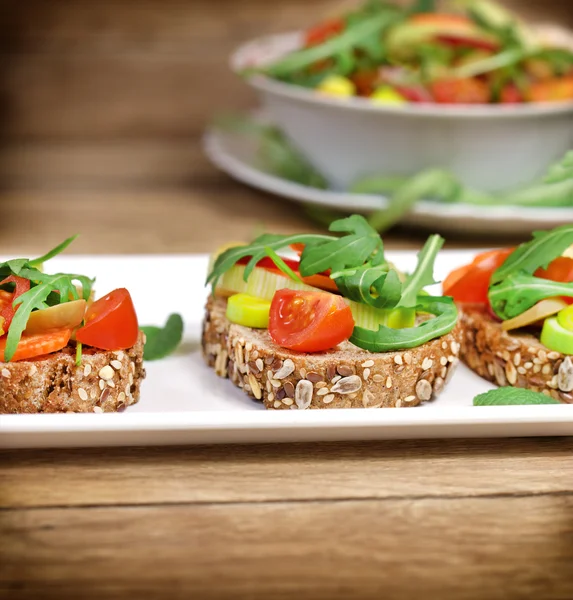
(324, 31)
(309, 321)
(319, 280)
(460, 91)
(470, 284)
(556, 89)
(34, 345)
(561, 269)
(110, 322)
(21, 286)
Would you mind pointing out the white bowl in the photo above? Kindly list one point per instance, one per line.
(489, 147)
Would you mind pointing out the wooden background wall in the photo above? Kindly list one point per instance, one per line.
(116, 92)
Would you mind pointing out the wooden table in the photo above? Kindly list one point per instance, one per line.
(428, 519)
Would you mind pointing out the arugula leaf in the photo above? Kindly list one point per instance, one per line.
(518, 292)
(562, 171)
(364, 26)
(258, 250)
(162, 341)
(36, 299)
(423, 275)
(539, 252)
(53, 252)
(423, 6)
(337, 254)
(386, 339)
(45, 290)
(378, 286)
(280, 263)
(509, 396)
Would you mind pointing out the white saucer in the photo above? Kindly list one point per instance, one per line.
(235, 154)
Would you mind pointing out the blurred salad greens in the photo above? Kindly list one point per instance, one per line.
(276, 155)
(462, 52)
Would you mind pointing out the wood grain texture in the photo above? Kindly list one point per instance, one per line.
(198, 219)
(263, 473)
(473, 548)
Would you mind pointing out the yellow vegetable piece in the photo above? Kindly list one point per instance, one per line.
(249, 311)
(387, 95)
(565, 318)
(2, 320)
(542, 310)
(336, 85)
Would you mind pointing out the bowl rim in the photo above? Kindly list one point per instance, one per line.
(239, 58)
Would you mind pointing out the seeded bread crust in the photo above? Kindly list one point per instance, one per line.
(345, 377)
(516, 359)
(105, 382)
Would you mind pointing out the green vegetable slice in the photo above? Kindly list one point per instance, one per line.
(162, 341)
(565, 318)
(249, 311)
(509, 396)
(555, 337)
(386, 339)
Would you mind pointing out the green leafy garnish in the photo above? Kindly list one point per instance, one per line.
(163, 341)
(359, 268)
(280, 263)
(386, 339)
(518, 292)
(257, 250)
(361, 244)
(423, 275)
(45, 290)
(363, 33)
(539, 252)
(514, 288)
(512, 396)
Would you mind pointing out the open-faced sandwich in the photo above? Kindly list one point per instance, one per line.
(339, 327)
(59, 350)
(517, 314)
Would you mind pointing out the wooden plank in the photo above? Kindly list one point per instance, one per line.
(498, 548)
(286, 472)
(166, 220)
(109, 163)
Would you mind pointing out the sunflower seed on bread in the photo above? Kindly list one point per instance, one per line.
(514, 358)
(106, 381)
(344, 377)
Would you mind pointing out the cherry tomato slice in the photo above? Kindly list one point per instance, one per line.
(470, 284)
(557, 89)
(460, 91)
(21, 286)
(34, 345)
(561, 269)
(110, 322)
(309, 321)
(324, 31)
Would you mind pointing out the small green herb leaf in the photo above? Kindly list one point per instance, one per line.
(54, 252)
(539, 252)
(162, 341)
(360, 245)
(280, 263)
(508, 396)
(386, 339)
(518, 292)
(423, 275)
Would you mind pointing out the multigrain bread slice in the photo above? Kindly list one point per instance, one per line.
(514, 358)
(345, 377)
(105, 381)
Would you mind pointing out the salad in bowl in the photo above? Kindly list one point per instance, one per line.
(475, 52)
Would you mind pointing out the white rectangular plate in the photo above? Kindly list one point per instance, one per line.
(184, 402)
